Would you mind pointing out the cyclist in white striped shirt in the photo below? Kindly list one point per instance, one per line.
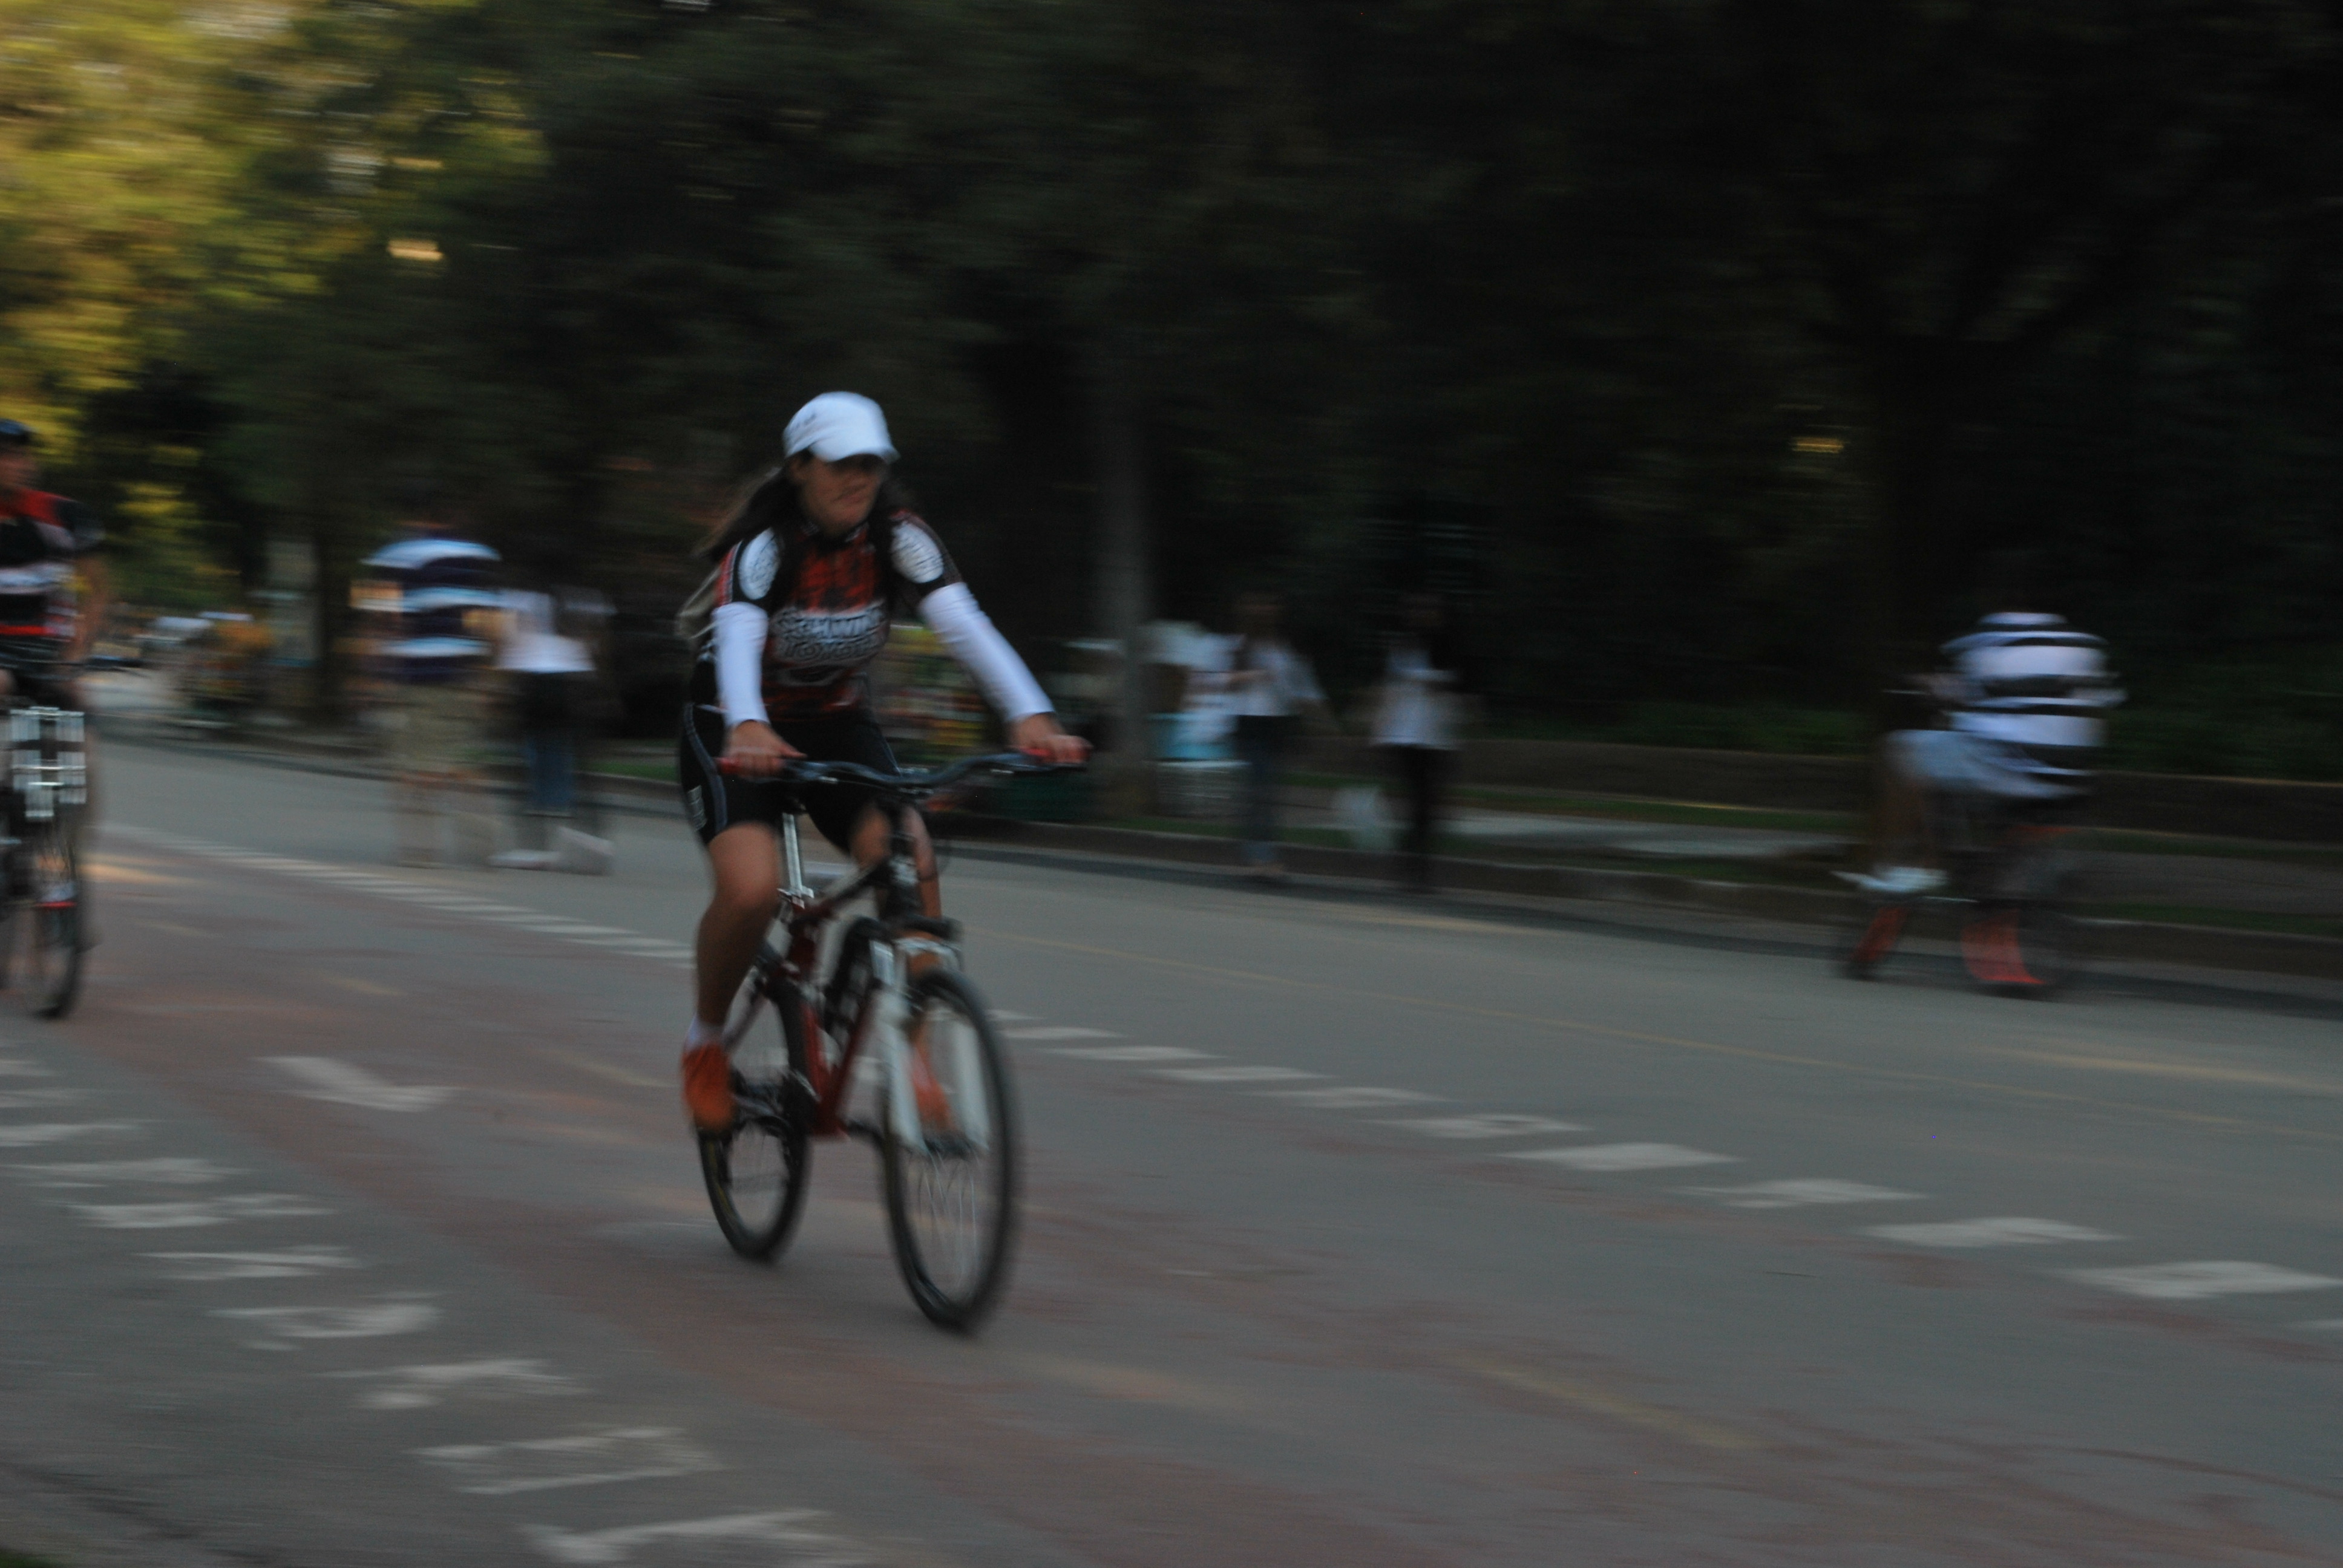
(2025, 700)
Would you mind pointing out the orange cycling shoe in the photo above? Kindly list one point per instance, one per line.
(707, 1087)
(1990, 947)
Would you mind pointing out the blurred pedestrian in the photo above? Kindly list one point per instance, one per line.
(1267, 688)
(1418, 717)
(446, 608)
(548, 655)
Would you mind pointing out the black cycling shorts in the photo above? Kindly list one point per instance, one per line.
(34, 662)
(715, 801)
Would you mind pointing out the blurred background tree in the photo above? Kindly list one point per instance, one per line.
(1701, 350)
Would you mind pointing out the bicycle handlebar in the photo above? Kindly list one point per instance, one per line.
(911, 786)
(45, 665)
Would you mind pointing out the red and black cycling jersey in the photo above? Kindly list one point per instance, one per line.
(832, 603)
(41, 536)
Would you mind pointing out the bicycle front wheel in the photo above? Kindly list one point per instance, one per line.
(757, 1170)
(952, 1192)
(53, 942)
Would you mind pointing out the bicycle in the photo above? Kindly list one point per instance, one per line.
(936, 1101)
(2011, 881)
(46, 789)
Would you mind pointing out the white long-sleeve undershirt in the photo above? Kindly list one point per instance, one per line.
(741, 632)
(951, 612)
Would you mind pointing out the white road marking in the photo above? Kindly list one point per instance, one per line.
(1798, 1193)
(170, 1171)
(1002, 1015)
(294, 1263)
(1235, 1075)
(199, 1211)
(1061, 1031)
(1624, 1156)
(2007, 1232)
(1499, 1126)
(1348, 1098)
(16, 1067)
(1133, 1053)
(444, 900)
(785, 1531)
(344, 1084)
(39, 1133)
(423, 1386)
(37, 1099)
(589, 1458)
(647, 947)
(283, 1326)
(2200, 1282)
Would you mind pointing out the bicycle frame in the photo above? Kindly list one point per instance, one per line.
(877, 1027)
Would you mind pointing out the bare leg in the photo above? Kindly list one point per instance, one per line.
(1900, 835)
(870, 847)
(475, 818)
(746, 863)
(415, 820)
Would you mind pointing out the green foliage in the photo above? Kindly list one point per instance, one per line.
(162, 560)
(1700, 350)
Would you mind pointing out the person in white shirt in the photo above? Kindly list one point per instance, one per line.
(548, 654)
(1417, 719)
(1266, 687)
(2024, 700)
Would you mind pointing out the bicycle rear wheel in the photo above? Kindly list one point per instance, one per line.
(952, 1193)
(757, 1170)
(52, 923)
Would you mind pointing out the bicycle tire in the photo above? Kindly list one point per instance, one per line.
(973, 1169)
(53, 945)
(757, 1170)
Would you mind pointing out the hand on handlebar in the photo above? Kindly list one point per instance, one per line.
(751, 751)
(1038, 736)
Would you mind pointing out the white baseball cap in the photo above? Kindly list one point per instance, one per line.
(837, 426)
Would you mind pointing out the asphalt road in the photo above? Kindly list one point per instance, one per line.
(351, 1221)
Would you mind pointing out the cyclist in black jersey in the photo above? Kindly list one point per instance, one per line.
(810, 574)
(45, 542)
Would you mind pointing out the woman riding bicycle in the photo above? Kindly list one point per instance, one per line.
(811, 570)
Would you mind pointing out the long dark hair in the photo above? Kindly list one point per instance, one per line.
(770, 500)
